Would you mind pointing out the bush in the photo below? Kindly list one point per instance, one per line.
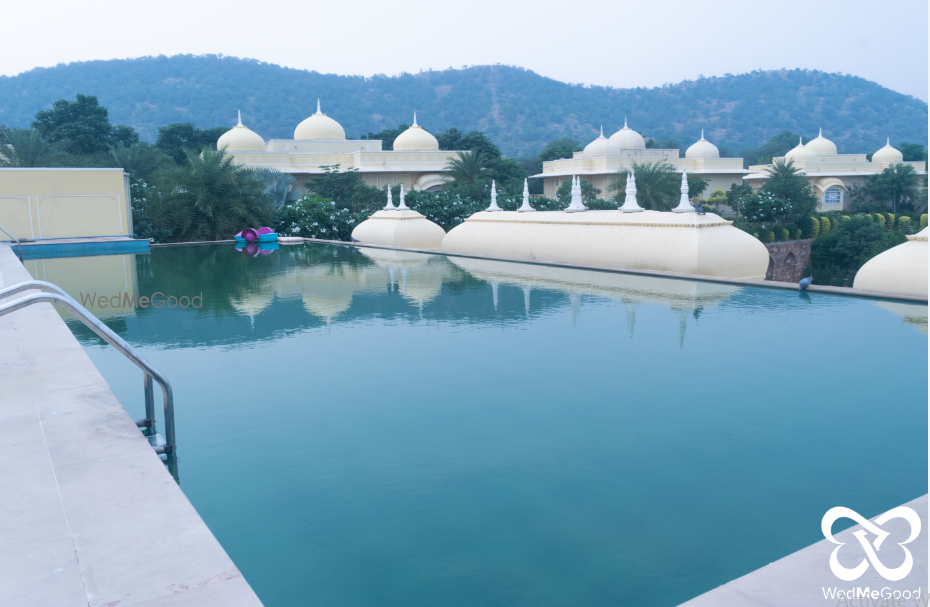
(880, 220)
(923, 221)
(767, 236)
(825, 225)
(318, 217)
(794, 232)
(783, 234)
(889, 224)
(812, 227)
(904, 224)
(796, 235)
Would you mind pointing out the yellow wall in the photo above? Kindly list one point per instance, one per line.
(64, 203)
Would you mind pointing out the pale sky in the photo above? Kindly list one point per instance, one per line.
(604, 42)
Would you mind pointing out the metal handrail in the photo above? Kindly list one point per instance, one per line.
(55, 295)
(21, 258)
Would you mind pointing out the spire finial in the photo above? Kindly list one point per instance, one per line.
(702, 134)
(577, 204)
(888, 142)
(800, 140)
(526, 198)
(624, 122)
(318, 106)
(493, 206)
(403, 205)
(684, 205)
(602, 130)
(821, 132)
(630, 205)
(390, 203)
(415, 119)
(240, 117)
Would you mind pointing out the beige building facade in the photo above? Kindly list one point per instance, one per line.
(602, 159)
(40, 204)
(416, 162)
(833, 175)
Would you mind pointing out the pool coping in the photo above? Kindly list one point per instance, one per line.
(91, 515)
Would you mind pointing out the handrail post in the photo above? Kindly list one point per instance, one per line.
(149, 402)
(21, 258)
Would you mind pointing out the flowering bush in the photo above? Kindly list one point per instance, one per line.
(318, 217)
(763, 208)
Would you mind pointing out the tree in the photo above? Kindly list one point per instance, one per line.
(449, 140)
(854, 241)
(509, 175)
(278, 186)
(897, 185)
(663, 144)
(468, 168)
(82, 126)
(387, 136)
(27, 148)
(178, 138)
(764, 207)
(913, 151)
(564, 147)
(346, 189)
(481, 144)
(788, 184)
(696, 186)
(779, 145)
(736, 193)
(588, 192)
(139, 159)
(658, 187)
(208, 198)
(717, 199)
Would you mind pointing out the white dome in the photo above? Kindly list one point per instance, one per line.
(801, 153)
(900, 269)
(702, 149)
(821, 145)
(601, 146)
(627, 138)
(415, 138)
(240, 139)
(319, 126)
(888, 154)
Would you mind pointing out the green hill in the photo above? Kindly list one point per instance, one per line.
(519, 109)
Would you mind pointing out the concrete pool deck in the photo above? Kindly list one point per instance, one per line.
(799, 578)
(89, 515)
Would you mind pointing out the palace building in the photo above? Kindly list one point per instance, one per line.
(604, 157)
(319, 141)
(833, 175)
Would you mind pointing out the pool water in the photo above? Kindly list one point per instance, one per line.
(397, 429)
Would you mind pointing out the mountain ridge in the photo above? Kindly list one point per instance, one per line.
(519, 109)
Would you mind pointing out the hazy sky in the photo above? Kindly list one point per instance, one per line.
(605, 42)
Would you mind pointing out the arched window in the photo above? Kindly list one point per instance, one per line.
(833, 195)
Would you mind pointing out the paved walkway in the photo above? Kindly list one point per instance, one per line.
(799, 579)
(88, 513)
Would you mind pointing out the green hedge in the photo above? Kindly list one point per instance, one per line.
(825, 225)
(880, 219)
(814, 227)
(904, 223)
(890, 221)
(923, 221)
(767, 236)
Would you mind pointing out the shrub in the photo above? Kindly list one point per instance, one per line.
(890, 221)
(904, 224)
(814, 227)
(880, 219)
(318, 217)
(783, 234)
(923, 221)
(767, 236)
(825, 225)
(796, 233)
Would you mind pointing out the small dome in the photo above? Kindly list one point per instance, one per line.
(801, 153)
(240, 139)
(601, 146)
(319, 126)
(702, 149)
(415, 138)
(821, 145)
(888, 154)
(627, 138)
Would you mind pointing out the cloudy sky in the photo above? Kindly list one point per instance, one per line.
(604, 42)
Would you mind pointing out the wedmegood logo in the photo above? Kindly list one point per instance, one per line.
(848, 575)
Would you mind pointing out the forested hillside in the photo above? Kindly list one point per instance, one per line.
(517, 108)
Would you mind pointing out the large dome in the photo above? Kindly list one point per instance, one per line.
(821, 145)
(240, 139)
(888, 154)
(319, 126)
(601, 146)
(627, 138)
(702, 149)
(415, 138)
(801, 153)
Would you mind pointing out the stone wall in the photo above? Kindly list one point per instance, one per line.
(788, 259)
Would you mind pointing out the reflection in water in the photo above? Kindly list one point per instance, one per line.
(914, 314)
(95, 282)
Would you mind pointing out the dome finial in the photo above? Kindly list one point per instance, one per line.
(684, 205)
(602, 130)
(702, 134)
(318, 106)
(624, 123)
(415, 119)
(821, 132)
(800, 140)
(240, 117)
(888, 141)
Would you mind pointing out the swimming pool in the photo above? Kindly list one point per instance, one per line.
(402, 429)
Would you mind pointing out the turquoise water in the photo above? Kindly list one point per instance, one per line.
(477, 433)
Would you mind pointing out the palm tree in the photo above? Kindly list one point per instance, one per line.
(209, 198)
(469, 167)
(658, 187)
(787, 183)
(783, 169)
(140, 159)
(27, 148)
(279, 186)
